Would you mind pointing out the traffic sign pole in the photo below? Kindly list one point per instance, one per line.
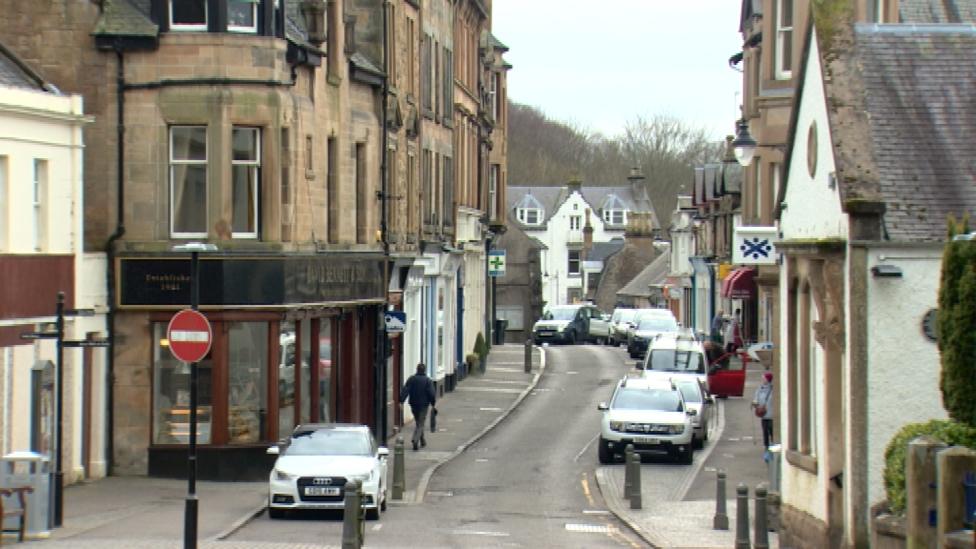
(190, 535)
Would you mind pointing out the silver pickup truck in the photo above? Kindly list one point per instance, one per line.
(571, 324)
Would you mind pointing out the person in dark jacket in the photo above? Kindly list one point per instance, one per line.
(420, 390)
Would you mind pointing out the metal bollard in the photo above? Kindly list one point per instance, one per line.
(635, 488)
(628, 471)
(399, 476)
(352, 518)
(762, 532)
(528, 356)
(741, 517)
(721, 519)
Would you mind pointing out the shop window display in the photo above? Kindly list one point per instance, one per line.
(248, 372)
(171, 394)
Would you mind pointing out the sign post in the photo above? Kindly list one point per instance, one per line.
(193, 336)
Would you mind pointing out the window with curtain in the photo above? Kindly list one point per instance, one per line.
(242, 16)
(245, 181)
(784, 39)
(188, 15)
(188, 181)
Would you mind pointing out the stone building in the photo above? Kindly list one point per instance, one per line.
(312, 144)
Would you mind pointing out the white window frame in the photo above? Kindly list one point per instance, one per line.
(172, 199)
(493, 175)
(615, 216)
(524, 215)
(575, 222)
(254, 167)
(782, 34)
(39, 202)
(570, 262)
(253, 28)
(189, 27)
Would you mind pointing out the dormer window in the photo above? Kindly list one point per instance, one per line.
(188, 15)
(615, 217)
(242, 16)
(530, 216)
(529, 211)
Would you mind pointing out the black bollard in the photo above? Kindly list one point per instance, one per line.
(528, 356)
(741, 517)
(352, 519)
(721, 519)
(762, 532)
(635, 488)
(399, 476)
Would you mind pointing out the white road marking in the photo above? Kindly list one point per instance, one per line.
(595, 512)
(581, 452)
(588, 528)
(481, 460)
(443, 494)
(490, 409)
(571, 373)
(377, 527)
(480, 533)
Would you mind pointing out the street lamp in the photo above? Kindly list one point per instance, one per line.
(190, 512)
(744, 145)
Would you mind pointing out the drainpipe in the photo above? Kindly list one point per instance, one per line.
(110, 249)
(381, 345)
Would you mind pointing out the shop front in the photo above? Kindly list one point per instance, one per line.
(295, 340)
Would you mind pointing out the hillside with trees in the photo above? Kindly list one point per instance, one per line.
(543, 151)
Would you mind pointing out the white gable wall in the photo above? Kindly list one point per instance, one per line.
(557, 237)
(812, 212)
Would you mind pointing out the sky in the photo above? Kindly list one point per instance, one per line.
(600, 64)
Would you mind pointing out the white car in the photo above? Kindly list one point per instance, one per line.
(313, 466)
(675, 355)
(697, 399)
(619, 324)
(651, 415)
(648, 327)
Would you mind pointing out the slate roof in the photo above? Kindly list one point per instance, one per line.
(132, 18)
(920, 100)
(14, 74)
(655, 273)
(602, 250)
(126, 18)
(937, 11)
(551, 198)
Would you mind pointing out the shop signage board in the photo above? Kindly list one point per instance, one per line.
(189, 335)
(396, 321)
(496, 263)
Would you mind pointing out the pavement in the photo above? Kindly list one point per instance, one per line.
(148, 513)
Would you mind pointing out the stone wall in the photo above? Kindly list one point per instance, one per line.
(799, 530)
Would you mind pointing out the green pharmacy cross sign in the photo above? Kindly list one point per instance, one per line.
(496, 263)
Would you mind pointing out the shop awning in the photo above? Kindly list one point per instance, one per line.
(740, 284)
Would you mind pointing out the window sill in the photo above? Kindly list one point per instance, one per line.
(804, 461)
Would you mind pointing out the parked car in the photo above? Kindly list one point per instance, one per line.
(651, 415)
(619, 324)
(314, 464)
(649, 327)
(631, 326)
(697, 399)
(675, 355)
(571, 323)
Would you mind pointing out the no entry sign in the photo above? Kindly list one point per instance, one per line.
(189, 335)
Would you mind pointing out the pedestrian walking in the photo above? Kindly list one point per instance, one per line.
(762, 405)
(420, 390)
(733, 332)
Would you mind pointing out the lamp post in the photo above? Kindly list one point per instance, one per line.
(190, 510)
(744, 145)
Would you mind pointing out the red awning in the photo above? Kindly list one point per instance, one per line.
(740, 284)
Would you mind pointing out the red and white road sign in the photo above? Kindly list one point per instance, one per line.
(189, 335)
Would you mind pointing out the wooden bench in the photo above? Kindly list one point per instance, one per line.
(21, 512)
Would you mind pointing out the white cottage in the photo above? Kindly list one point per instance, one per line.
(561, 217)
(880, 154)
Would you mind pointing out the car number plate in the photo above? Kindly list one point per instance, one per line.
(646, 440)
(322, 490)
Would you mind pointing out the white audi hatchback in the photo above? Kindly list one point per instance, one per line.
(314, 464)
